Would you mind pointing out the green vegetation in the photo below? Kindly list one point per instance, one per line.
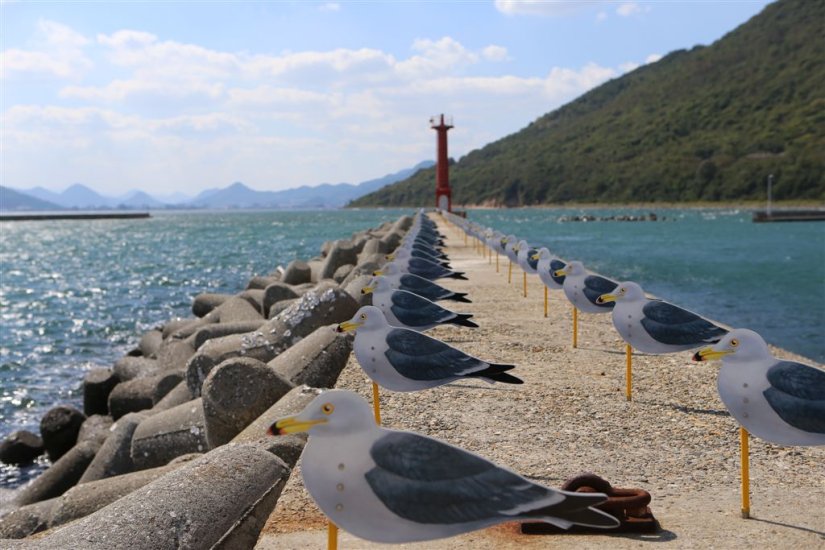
(708, 124)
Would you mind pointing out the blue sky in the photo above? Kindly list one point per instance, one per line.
(184, 96)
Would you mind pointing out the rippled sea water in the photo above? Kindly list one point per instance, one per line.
(79, 294)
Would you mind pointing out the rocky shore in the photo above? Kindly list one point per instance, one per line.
(170, 450)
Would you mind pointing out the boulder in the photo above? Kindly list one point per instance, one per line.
(261, 282)
(278, 307)
(217, 330)
(235, 393)
(59, 428)
(26, 520)
(255, 297)
(21, 447)
(95, 428)
(342, 253)
(342, 272)
(174, 354)
(173, 326)
(178, 395)
(128, 368)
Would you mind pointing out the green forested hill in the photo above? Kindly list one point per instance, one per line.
(705, 124)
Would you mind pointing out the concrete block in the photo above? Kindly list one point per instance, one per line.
(206, 302)
(58, 428)
(353, 288)
(142, 393)
(172, 326)
(87, 498)
(174, 354)
(128, 368)
(97, 385)
(255, 297)
(95, 428)
(278, 307)
(277, 292)
(296, 273)
(236, 310)
(169, 434)
(259, 282)
(317, 360)
(62, 475)
(26, 520)
(342, 253)
(196, 506)
(217, 330)
(150, 342)
(115, 455)
(21, 447)
(342, 272)
(178, 395)
(323, 306)
(235, 393)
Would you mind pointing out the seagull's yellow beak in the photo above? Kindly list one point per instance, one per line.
(293, 425)
(606, 298)
(534, 257)
(377, 273)
(348, 326)
(560, 272)
(390, 257)
(709, 354)
(367, 290)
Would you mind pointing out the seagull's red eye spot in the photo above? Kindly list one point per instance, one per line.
(327, 408)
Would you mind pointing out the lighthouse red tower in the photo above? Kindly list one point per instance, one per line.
(443, 197)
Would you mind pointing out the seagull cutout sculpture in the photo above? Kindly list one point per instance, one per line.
(426, 269)
(419, 285)
(583, 289)
(405, 309)
(524, 257)
(546, 268)
(779, 401)
(656, 326)
(394, 486)
(405, 253)
(401, 359)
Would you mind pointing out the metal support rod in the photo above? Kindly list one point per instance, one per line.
(524, 283)
(628, 372)
(496, 261)
(510, 273)
(376, 404)
(746, 481)
(575, 327)
(332, 536)
(545, 302)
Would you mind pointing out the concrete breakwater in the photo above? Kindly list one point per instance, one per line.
(170, 448)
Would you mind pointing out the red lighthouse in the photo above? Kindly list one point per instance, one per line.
(443, 197)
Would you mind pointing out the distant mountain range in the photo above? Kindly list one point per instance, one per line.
(237, 195)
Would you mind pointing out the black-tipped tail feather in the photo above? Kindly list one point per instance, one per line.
(496, 373)
(577, 509)
(457, 275)
(463, 319)
(460, 297)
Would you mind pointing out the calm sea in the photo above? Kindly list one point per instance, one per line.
(78, 294)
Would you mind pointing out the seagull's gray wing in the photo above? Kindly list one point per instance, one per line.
(673, 325)
(419, 357)
(415, 311)
(595, 286)
(555, 265)
(530, 261)
(426, 481)
(797, 394)
(425, 268)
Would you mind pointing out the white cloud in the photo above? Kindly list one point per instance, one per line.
(58, 51)
(330, 7)
(653, 58)
(628, 66)
(436, 56)
(628, 8)
(601, 16)
(495, 53)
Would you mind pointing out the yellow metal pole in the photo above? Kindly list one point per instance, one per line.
(332, 536)
(545, 302)
(524, 282)
(629, 372)
(496, 261)
(376, 404)
(575, 327)
(746, 481)
(510, 273)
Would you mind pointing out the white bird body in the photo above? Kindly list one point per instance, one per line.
(578, 283)
(407, 309)
(655, 326)
(393, 486)
(769, 397)
(523, 256)
(545, 269)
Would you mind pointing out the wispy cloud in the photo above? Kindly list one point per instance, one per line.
(539, 7)
(628, 8)
(330, 7)
(57, 51)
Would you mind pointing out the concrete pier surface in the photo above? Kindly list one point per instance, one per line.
(675, 438)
